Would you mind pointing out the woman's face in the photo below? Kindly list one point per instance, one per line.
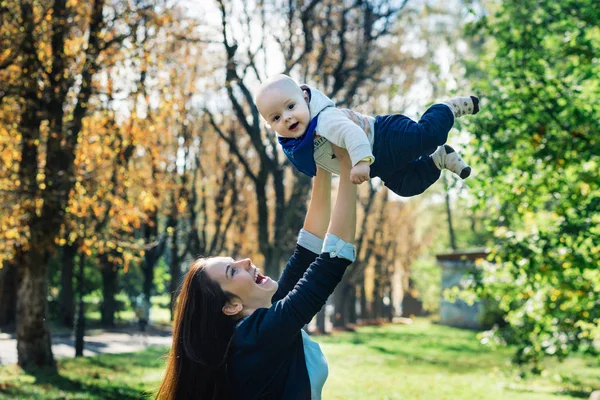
(243, 279)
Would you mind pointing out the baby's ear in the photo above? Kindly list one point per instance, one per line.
(306, 96)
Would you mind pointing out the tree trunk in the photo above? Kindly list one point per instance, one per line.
(109, 290)
(154, 250)
(449, 214)
(174, 266)
(364, 304)
(8, 294)
(341, 297)
(80, 324)
(321, 320)
(65, 299)
(33, 335)
(352, 316)
(377, 299)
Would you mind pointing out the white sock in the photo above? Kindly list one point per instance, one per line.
(445, 157)
(463, 105)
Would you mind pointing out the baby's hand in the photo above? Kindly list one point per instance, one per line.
(360, 172)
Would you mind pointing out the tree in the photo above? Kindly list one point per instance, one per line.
(538, 149)
(53, 57)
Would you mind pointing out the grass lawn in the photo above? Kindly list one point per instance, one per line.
(426, 361)
(419, 361)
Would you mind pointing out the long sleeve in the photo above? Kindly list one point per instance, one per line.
(336, 127)
(278, 324)
(307, 249)
(283, 320)
(293, 271)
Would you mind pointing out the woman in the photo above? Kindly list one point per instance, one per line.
(238, 334)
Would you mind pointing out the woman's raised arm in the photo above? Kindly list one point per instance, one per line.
(310, 238)
(285, 318)
(343, 219)
(319, 207)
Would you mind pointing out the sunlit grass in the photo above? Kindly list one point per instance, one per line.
(110, 376)
(428, 361)
(418, 361)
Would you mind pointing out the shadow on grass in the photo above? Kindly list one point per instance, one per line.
(46, 380)
(440, 342)
(432, 335)
(573, 392)
(151, 357)
(413, 357)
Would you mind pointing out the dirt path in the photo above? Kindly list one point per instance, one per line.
(104, 343)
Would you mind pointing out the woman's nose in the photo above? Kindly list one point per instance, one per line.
(247, 263)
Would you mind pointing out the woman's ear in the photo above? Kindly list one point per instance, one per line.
(232, 308)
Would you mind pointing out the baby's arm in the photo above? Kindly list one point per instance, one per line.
(342, 128)
(360, 172)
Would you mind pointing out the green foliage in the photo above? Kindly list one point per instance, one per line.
(536, 142)
(427, 277)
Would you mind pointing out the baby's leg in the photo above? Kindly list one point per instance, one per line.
(399, 140)
(414, 179)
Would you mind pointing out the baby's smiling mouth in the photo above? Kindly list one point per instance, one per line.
(294, 126)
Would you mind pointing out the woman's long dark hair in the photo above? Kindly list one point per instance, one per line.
(197, 363)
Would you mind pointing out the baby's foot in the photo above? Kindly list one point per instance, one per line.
(463, 105)
(446, 157)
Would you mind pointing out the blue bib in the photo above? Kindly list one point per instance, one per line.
(300, 150)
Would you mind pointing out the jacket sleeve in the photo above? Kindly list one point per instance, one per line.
(307, 249)
(336, 127)
(283, 320)
(293, 271)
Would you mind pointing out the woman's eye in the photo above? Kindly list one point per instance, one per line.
(291, 106)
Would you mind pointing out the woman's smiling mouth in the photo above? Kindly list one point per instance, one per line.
(259, 278)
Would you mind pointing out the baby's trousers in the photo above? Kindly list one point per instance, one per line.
(402, 148)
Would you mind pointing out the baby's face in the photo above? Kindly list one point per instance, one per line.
(285, 107)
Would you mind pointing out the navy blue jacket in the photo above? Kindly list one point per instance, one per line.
(266, 360)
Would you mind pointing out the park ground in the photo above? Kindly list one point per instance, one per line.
(418, 361)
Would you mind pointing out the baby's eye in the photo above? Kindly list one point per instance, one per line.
(233, 271)
(291, 106)
(276, 118)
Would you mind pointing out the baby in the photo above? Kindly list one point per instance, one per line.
(408, 156)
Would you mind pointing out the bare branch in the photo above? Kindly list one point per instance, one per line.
(232, 146)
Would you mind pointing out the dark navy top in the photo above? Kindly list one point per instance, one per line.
(266, 360)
